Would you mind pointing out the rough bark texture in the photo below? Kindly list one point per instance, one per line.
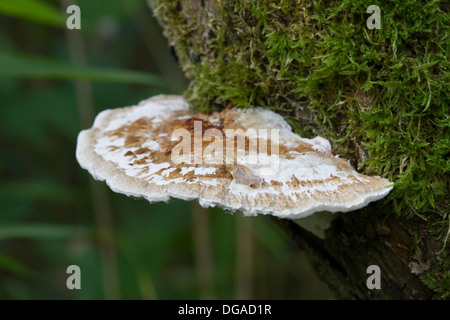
(402, 248)
(362, 238)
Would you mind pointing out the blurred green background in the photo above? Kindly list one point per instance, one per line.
(53, 81)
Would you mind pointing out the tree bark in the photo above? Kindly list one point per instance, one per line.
(367, 237)
(402, 248)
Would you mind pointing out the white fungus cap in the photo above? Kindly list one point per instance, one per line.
(132, 150)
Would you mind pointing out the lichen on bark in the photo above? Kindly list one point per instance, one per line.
(381, 96)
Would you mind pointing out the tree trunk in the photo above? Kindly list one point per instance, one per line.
(404, 248)
(362, 238)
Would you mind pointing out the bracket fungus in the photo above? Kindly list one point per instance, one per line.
(240, 160)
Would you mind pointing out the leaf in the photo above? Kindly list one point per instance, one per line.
(40, 231)
(44, 68)
(33, 10)
(36, 190)
(14, 266)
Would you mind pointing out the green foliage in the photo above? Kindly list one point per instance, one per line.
(39, 231)
(381, 95)
(439, 279)
(33, 10)
(44, 68)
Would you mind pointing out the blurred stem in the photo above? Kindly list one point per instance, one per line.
(203, 254)
(244, 258)
(156, 45)
(140, 271)
(99, 195)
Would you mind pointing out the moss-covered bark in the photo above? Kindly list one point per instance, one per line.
(381, 96)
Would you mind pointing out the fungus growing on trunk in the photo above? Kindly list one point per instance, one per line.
(240, 160)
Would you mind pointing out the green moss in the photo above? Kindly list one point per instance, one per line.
(381, 96)
(439, 278)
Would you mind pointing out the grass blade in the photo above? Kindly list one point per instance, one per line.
(43, 68)
(40, 231)
(33, 10)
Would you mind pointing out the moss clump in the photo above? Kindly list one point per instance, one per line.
(381, 95)
(439, 278)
